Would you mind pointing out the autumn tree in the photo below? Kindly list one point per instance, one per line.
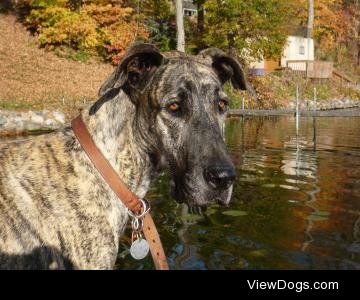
(79, 28)
(159, 18)
(310, 19)
(330, 25)
(251, 28)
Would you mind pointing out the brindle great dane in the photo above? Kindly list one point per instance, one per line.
(156, 110)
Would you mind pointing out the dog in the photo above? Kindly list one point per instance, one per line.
(155, 111)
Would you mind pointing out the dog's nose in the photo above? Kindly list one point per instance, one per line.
(220, 177)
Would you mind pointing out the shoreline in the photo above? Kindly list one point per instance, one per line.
(338, 112)
(13, 123)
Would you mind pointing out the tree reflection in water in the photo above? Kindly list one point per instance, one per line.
(295, 203)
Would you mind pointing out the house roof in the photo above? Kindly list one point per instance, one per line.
(188, 4)
(299, 31)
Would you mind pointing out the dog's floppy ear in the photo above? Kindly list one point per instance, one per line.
(134, 72)
(227, 68)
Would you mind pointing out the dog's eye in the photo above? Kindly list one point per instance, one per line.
(223, 105)
(174, 107)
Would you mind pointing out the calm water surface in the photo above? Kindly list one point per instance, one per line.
(296, 202)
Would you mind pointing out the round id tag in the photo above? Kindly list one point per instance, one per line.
(139, 248)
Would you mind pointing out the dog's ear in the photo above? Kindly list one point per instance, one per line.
(135, 69)
(133, 73)
(227, 69)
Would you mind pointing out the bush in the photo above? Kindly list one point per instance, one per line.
(94, 28)
(77, 31)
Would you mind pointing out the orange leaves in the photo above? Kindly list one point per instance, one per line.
(120, 35)
(120, 29)
(331, 23)
(107, 14)
(98, 27)
(75, 30)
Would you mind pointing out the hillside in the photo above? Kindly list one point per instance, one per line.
(32, 78)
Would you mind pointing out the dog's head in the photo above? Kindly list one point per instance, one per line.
(180, 112)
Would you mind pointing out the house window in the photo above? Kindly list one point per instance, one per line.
(302, 50)
(189, 12)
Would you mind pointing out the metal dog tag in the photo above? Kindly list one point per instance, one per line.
(139, 248)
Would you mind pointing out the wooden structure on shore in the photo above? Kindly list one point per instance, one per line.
(311, 68)
(315, 69)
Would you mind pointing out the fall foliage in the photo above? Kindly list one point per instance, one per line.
(259, 27)
(93, 27)
(334, 24)
(255, 28)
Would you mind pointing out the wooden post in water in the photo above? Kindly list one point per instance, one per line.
(297, 109)
(314, 120)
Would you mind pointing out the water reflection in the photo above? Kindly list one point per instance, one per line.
(295, 203)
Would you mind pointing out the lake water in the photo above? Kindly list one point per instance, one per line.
(296, 202)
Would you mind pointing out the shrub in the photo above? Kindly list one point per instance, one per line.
(96, 27)
(77, 31)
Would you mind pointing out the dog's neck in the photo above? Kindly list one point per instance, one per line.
(112, 130)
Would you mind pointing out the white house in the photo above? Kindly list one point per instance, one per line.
(297, 48)
(189, 8)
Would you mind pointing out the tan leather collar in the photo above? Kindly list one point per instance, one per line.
(124, 194)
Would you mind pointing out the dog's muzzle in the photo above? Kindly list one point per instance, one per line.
(219, 177)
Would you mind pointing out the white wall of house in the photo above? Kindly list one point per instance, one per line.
(298, 48)
(257, 64)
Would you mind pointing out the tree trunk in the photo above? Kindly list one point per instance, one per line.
(357, 37)
(180, 26)
(231, 44)
(200, 16)
(310, 23)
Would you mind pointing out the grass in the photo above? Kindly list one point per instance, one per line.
(14, 105)
(76, 55)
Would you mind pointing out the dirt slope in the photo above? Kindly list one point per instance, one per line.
(32, 78)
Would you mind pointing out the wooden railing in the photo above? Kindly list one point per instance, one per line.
(311, 68)
(343, 79)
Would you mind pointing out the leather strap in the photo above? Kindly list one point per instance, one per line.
(131, 201)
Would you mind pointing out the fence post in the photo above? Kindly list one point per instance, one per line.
(243, 103)
(315, 99)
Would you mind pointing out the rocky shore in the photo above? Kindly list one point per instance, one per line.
(15, 123)
(325, 105)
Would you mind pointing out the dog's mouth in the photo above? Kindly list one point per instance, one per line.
(198, 197)
(178, 192)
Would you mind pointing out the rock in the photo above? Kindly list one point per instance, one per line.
(30, 126)
(37, 118)
(51, 124)
(18, 122)
(3, 120)
(59, 117)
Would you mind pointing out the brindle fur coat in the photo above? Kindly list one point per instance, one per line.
(56, 211)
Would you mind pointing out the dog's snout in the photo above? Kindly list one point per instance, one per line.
(220, 177)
